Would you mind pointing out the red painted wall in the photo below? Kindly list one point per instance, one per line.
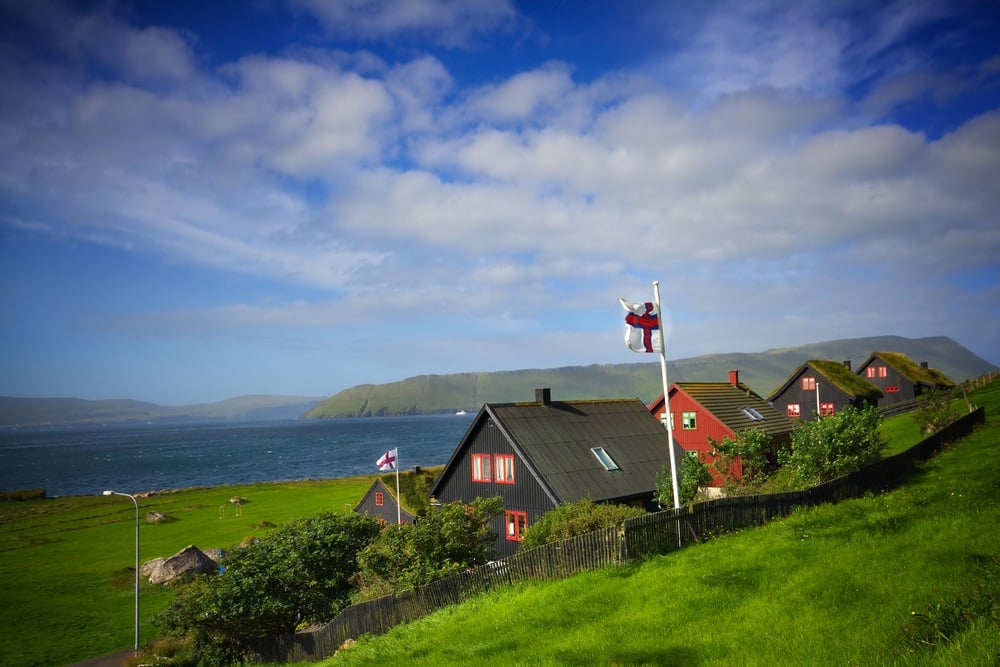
(696, 439)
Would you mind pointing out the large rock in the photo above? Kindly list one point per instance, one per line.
(187, 562)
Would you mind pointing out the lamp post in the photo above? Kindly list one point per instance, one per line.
(136, 503)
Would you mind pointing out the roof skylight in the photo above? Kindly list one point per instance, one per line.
(605, 458)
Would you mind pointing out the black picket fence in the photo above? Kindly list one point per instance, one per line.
(638, 538)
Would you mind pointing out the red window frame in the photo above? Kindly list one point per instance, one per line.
(515, 523)
(883, 372)
(793, 410)
(481, 468)
(870, 372)
(892, 389)
(808, 384)
(826, 409)
(504, 469)
(379, 499)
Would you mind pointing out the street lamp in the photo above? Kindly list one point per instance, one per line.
(136, 503)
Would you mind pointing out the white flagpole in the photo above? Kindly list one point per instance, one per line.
(399, 499)
(666, 399)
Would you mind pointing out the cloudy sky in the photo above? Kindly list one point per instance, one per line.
(201, 200)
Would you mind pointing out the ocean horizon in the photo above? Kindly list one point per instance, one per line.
(140, 458)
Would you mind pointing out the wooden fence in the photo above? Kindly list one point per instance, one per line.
(638, 538)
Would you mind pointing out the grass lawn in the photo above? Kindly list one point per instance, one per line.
(906, 577)
(66, 563)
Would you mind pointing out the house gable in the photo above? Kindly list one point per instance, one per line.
(380, 502)
(838, 387)
(548, 449)
(900, 378)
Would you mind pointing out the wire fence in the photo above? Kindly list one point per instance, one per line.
(638, 538)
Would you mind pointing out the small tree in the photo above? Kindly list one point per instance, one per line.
(693, 475)
(299, 573)
(755, 450)
(934, 412)
(836, 444)
(577, 518)
(445, 541)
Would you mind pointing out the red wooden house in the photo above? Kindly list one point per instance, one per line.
(701, 411)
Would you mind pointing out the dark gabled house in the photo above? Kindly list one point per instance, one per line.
(706, 411)
(900, 378)
(822, 387)
(380, 502)
(538, 455)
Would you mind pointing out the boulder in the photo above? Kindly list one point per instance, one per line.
(187, 562)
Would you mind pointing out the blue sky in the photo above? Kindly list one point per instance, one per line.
(205, 200)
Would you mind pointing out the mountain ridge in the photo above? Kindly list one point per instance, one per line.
(763, 371)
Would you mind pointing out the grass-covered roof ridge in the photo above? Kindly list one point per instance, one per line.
(845, 379)
(914, 371)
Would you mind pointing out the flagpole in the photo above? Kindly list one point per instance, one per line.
(399, 499)
(666, 399)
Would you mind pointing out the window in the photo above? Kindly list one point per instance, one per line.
(870, 372)
(663, 420)
(752, 414)
(793, 410)
(379, 499)
(481, 468)
(883, 372)
(516, 523)
(689, 421)
(825, 409)
(605, 458)
(505, 468)
(892, 389)
(809, 384)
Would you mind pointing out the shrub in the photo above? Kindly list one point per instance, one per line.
(693, 475)
(571, 519)
(297, 574)
(835, 445)
(755, 450)
(934, 412)
(445, 541)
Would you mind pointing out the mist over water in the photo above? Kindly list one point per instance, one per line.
(138, 458)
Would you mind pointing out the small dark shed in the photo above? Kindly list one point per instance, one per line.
(380, 502)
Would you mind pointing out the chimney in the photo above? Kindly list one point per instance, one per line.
(923, 364)
(847, 364)
(543, 396)
(734, 378)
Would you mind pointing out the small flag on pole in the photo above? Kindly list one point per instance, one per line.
(641, 323)
(388, 461)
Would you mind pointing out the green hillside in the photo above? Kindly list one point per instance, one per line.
(909, 576)
(764, 371)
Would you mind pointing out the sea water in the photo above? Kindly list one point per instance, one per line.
(149, 457)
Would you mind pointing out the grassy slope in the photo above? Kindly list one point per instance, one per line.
(845, 584)
(65, 563)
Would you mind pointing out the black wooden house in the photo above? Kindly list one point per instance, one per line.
(900, 378)
(380, 502)
(822, 387)
(538, 455)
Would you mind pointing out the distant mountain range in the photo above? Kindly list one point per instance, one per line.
(763, 371)
(428, 394)
(63, 411)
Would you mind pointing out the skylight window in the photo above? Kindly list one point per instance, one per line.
(605, 459)
(752, 414)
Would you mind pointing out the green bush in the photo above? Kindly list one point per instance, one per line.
(446, 540)
(693, 476)
(755, 450)
(571, 519)
(835, 445)
(299, 573)
(934, 412)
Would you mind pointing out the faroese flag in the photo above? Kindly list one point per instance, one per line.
(642, 323)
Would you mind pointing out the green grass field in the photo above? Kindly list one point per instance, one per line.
(906, 577)
(65, 563)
